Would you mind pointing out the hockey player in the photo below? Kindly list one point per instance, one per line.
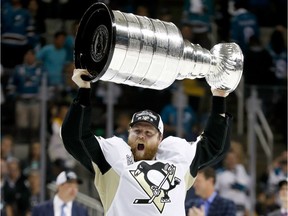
(147, 175)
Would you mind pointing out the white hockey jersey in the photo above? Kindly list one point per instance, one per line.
(148, 187)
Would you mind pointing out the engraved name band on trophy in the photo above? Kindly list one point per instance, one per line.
(138, 51)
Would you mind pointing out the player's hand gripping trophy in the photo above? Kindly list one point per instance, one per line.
(149, 53)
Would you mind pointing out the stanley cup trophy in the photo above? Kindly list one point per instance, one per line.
(149, 53)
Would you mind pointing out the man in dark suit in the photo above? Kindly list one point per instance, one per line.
(63, 203)
(208, 202)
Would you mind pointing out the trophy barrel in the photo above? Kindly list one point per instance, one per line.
(128, 49)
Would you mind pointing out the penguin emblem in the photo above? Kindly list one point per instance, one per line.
(156, 180)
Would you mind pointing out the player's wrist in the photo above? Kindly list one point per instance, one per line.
(218, 104)
(83, 96)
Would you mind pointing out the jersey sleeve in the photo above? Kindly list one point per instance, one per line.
(213, 143)
(77, 137)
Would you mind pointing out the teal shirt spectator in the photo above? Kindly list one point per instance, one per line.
(26, 80)
(17, 27)
(17, 33)
(198, 13)
(244, 25)
(53, 60)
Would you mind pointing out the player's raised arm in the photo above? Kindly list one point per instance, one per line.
(77, 137)
(215, 140)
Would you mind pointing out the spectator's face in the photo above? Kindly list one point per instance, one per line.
(33, 6)
(187, 32)
(29, 58)
(34, 179)
(3, 167)
(201, 184)
(283, 194)
(143, 140)
(36, 150)
(142, 11)
(230, 160)
(68, 191)
(123, 121)
(6, 147)
(63, 111)
(59, 41)
(13, 170)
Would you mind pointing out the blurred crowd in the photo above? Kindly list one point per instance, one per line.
(37, 42)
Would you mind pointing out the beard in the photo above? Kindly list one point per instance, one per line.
(148, 153)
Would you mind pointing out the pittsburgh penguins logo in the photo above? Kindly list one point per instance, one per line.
(156, 180)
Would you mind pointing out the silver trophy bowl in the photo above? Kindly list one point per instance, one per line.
(138, 51)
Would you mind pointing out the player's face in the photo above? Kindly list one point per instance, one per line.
(144, 139)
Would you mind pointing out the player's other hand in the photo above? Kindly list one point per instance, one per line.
(219, 93)
(77, 77)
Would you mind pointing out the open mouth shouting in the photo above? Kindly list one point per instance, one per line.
(140, 147)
